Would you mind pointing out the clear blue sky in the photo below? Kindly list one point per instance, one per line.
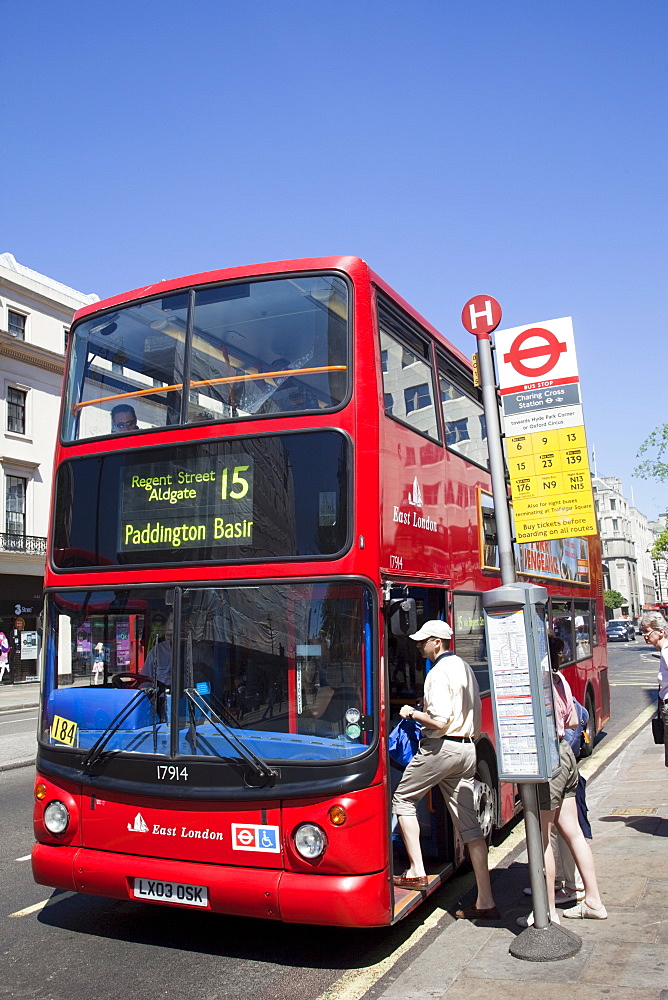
(462, 146)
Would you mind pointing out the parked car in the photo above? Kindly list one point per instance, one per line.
(617, 631)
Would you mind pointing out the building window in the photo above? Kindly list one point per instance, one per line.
(66, 338)
(449, 390)
(16, 410)
(15, 523)
(383, 361)
(417, 397)
(16, 324)
(613, 504)
(615, 524)
(456, 430)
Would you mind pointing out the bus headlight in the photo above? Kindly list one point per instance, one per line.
(310, 841)
(56, 817)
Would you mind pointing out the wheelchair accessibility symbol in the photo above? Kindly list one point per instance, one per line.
(252, 837)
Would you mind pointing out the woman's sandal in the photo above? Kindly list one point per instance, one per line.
(568, 895)
(583, 911)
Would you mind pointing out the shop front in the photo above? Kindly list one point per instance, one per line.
(20, 639)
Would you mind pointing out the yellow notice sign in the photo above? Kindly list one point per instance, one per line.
(63, 730)
(550, 484)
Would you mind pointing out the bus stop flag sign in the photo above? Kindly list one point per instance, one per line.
(545, 437)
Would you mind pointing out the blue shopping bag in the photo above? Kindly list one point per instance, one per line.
(404, 741)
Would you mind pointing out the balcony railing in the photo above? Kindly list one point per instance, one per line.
(32, 545)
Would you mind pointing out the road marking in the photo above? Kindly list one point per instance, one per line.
(621, 684)
(354, 984)
(26, 857)
(14, 722)
(40, 906)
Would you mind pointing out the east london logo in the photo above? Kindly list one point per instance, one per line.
(139, 825)
(414, 499)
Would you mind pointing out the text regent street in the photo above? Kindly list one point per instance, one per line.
(149, 482)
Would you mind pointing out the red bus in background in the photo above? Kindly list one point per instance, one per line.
(253, 465)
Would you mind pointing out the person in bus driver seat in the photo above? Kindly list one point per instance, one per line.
(158, 663)
(450, 722)
(123, 418)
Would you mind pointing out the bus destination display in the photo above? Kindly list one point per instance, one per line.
(198, 501)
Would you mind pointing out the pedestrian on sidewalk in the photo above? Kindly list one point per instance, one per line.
(4, 655)
(569, 887)
(654, 628)
(450, 721)
(558, 808)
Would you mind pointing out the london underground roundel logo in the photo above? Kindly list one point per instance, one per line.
(548, 347)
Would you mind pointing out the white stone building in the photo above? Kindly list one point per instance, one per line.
(618, 550)
(660, 566)
(35, 315)
(643, 537)
(627, 538)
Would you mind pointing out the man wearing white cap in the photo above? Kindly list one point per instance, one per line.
(450, 721)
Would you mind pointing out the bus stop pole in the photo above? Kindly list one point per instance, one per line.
(528, 791)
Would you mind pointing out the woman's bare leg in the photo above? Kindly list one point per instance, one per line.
(566, 821)
(546, 821)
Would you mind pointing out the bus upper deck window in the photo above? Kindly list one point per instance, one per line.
(251, 349)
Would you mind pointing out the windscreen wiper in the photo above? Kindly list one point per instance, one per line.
(115, 724)
(257, 764)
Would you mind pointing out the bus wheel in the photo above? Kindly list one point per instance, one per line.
(587, 748)
(484, 800)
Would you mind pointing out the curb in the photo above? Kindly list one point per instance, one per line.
(14, 764)
(16, 708)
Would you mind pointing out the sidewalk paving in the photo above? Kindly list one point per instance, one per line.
(18, 750)
(622, 958)
(13, 696)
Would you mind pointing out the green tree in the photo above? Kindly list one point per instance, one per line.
(656, 446)
(613, 599)
(660, 547)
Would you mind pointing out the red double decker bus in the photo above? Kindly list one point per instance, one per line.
(256, 468)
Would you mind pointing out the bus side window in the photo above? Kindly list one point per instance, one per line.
(470, 641)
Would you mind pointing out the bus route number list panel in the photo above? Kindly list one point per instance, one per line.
(549, 476)
(197, 502)
(521, 744)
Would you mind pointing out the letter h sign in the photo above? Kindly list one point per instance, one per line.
(481, 315)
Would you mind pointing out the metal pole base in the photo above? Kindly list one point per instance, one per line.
(549, 944)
